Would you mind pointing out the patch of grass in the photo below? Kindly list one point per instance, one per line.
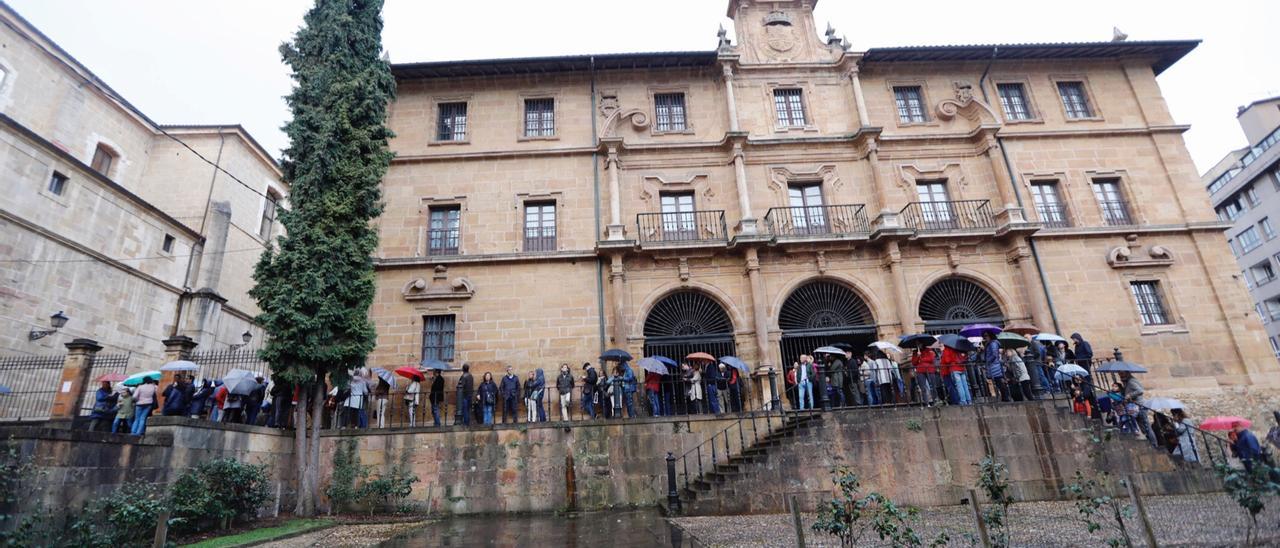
(258, 535)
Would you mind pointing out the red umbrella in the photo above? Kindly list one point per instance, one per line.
(700, 356)
(411, 372)
(112, 377)
(1224, 423)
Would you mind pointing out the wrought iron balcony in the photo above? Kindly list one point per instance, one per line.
(1116, 213)
(945, 216)
(1053, 215)
(690, 226)
(817, 220)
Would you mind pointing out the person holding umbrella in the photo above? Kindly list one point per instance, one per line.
(436, 396)
(693, 377)
(145, 401)
(104, 405)
(1245, 446)
(956, 376)
(509, 391)
(411, 399)
(590, 389)
(1133, 393)
(926, 373)
(124, 411)
(834, 365)
(994, 364)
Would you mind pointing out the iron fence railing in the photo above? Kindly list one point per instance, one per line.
(539, 239)
(1116, 213)
(946, 216)
(215, 364)
(32, 382)
(102, 364)
(1053, 215)
(818, 220)
(690, 226)
(442, 241)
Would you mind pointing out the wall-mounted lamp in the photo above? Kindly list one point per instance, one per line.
(57, 321)
(246, 337)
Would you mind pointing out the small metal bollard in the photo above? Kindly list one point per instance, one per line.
(773, 389)
(673, 496)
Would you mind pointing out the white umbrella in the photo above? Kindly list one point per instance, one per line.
(180, 365)
(238, 373)
(887, 347)
(1065, 371)
(1164, 404)
(1049, 338)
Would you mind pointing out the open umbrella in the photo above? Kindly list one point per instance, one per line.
(1224, 423)
(653, 365)
(916, 341)
(700, 356)
(136, 378)
(887, 347)
(112, 377)
(844, 346)
(666, 361)
(242, 386)
(1048, 338)
(180, 365)
(979, 329)
(429, 363)
(956, 342)
(616, 354)
(1119, 366)
(736, 363)
(1068, 370)
(829, 350)
(238, 374)
(411, 372)
(1012, 340)
(1023, 329)
(1164, 404)
(385, 375)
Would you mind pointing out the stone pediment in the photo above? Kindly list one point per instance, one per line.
(1134, 255)
(439, 288)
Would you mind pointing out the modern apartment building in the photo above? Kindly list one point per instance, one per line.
(1244, 188)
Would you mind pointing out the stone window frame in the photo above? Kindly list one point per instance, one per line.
(116, 168)
(436, 101)
(10, 74)
(930, 119)
(271, 187)
(1065, 195)
(1033, 106)
(1089, 95)
(63, 199)
(1126, 189)
(425, 204)
(686, 90)
(523, 199)
(1177, 323)
(170, 241)
(554, 95)
(806, 94)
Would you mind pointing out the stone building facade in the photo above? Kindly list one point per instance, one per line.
(113, 219)
(784, 191)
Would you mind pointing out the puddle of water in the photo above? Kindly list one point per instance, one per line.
(585, 529)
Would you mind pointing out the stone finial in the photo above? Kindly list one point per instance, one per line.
(723, 37)
(831, 36)
(844, 43)
(1117, 35)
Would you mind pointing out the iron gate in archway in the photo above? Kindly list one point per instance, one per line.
(952, 303)
(822, 313)
(682, 323)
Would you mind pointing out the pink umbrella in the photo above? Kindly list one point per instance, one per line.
(1224, 423)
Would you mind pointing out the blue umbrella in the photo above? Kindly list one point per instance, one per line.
(5, 390)
(736, 364)
(1121, 367)
(956, 342)
(385, 375)
(616, 354)
(653, 365)
(432, 363)
(980, 329)
(667, 361)
(916, 341)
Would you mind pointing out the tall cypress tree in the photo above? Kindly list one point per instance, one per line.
(315, 291)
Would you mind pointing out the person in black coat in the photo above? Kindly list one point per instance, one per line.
(177, 398)
(437, 395)
(198, 398)
(1084, 352)
(509, 392)
(590, 389)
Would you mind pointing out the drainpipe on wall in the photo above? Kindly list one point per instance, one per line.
(204, 218)
(595, 176)
(1013, 180)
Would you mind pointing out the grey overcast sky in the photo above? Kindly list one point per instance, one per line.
(183, 61)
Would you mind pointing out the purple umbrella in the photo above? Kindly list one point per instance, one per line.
(980, 329)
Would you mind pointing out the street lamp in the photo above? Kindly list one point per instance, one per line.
(57, 321)
(246, 337)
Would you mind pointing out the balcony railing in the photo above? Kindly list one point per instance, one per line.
(691, 226)
(1116, 213)
(1053, 215)
(817, 220)
(442, 241)
(539, 239)
(944, 216)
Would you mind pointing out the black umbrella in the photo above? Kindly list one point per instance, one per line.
(917, 341)
(956, 342)
(844, 346)
(616, 354)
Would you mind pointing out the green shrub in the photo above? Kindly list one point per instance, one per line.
(218, 493)
(354, 485)
(126, 517)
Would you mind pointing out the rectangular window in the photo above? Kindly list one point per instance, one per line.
(806, 212)
(1249, 240)
(789, 103)
(678, 218)
(1049, 206)
(1252, 195)
(1272, 308)
(102, 160)
(669, 112)
(437, 337)
(1267, 230)
(1230, 210)
(452, 122)
(1115, 211)
(539, 117)
(1013, 99)
(442, 231)
(1263, 273)
(167, 246)
(57, 183)
(910, 101)
(1150, 303)
(1275, 346)
(1248, 281)
(936, 209)
(1074, 100)
(540, 226)
(1257, 307)
(268, 214)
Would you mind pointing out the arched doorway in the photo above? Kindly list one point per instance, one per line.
(952, 303)
(821, 313)
(685, 322)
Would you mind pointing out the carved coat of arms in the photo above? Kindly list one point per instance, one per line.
(780, 38)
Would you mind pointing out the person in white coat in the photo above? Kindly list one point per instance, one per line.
(411, 401)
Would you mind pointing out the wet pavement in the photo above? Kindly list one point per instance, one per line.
(587, 529)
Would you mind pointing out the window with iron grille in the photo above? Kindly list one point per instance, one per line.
(268, 214)
(442, 230)
(1049, 205)
(437, 337)
(539, 117)
(452, 122)
(1074, 100)
(1013, 99)
(1115, 210)
(910, 101)
(103, 158)
(1150, 302)
(1249, 240)
(669, 113)
(789, 102)
(540, 226)
(57, 183)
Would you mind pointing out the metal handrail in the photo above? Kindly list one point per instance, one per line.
(945, 216)
(1053, 215)
(687, 226)
(1116, 213)
(817, 220)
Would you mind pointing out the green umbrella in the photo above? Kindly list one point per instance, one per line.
(136, 378)
(1012, 340)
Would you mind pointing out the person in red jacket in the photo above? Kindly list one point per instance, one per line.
(653, 385)
(957, 379)
(925, 380)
